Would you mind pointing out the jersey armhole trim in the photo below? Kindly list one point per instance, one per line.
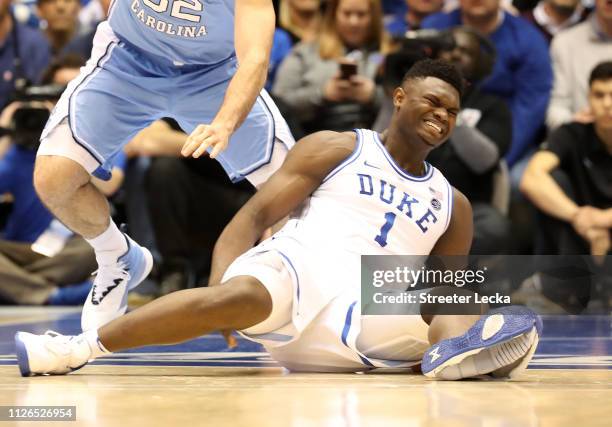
(348, 160)
(450, 205)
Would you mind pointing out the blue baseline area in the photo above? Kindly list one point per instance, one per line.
(567, 342)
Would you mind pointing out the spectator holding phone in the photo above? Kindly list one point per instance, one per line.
(329, 83)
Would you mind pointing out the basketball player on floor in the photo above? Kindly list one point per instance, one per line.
(204, 66)
(298, 293)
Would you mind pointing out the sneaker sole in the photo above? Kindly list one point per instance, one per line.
(512, 374)
(522, 367)
(497, 338)
(22, 356)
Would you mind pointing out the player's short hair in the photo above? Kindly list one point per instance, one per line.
(602, 71)
(439, 69)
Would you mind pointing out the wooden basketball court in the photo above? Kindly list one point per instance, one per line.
(569, 383)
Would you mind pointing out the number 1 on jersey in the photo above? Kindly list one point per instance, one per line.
(381, 239)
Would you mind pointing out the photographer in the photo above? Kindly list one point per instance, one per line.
(24, 53)
(35, 248)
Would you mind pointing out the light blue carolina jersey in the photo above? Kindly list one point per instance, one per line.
(182, 31)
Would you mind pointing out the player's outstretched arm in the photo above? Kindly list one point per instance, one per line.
(305, 167)
(253, 35)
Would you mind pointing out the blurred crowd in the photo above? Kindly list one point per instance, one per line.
(532, 148)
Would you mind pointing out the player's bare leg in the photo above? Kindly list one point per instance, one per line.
(240, 303)
(66, 188)
(237, 304)
(451, 320)
(448, 326)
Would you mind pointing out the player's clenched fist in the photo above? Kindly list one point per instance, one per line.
(205, 136)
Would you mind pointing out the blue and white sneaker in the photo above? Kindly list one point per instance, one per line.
(500, 344)
(107, 299)
(50, 354)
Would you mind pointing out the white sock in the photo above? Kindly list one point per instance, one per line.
(109, 245)
(95, 346)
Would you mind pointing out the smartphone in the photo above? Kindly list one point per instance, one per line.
(347, 70)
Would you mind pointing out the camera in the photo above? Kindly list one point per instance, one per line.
(29, 120)
(414, 46)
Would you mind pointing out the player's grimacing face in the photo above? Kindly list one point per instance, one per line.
(427, 107)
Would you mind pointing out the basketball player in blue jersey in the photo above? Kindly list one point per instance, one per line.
(203, 64)
(298, 293)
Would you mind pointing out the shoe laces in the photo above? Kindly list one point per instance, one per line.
(109, 276)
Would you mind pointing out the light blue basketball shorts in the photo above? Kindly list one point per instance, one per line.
(121, 91)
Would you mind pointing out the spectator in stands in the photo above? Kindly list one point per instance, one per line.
(60, 21)
(24, 54)
(301, 19)
(310, 81)
(298, 20)
(83, 43)
(413, 16)
(553, 16)
(574, 53)
(483, 134)
(570, 179)
(522, 75)
(40, 260)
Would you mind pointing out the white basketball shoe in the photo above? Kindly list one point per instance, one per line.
(107, 299)
(50, 354)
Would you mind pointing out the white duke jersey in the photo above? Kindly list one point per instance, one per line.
(183, 31)
(368, 205)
